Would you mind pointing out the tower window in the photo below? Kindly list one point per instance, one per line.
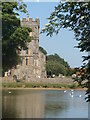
(27, 51)
(26, 61)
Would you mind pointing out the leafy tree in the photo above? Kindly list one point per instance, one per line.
(56, 57)
(43, 50)
(73, 70)
(56, 65)
(14, 37)
(55, 68)
(76, 17)
(80, 75)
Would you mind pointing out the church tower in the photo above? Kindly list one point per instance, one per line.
(33, 61)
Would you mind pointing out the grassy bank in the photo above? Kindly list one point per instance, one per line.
(38, 85)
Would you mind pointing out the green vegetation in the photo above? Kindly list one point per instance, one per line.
(73, 71)
(14, 37)
(43, 50)
(56, 65)
(37, 85)
(76, 17)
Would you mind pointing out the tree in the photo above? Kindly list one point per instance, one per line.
(43, 50)
(56, 65)
(14, 37)
(76, 17)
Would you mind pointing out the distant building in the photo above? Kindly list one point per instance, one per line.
(33, 60)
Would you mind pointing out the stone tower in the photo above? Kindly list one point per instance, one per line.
(33, 61)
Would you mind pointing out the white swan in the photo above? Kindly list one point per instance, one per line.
(80, 96)
(72, 90)
(71, 95)
(64, 90)
(9, 92)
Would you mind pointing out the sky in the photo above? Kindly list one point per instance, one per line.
(63, 43)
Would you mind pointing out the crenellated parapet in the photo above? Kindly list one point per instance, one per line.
(33, 24)
(29, 22)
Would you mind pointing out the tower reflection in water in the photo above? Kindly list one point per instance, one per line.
(43, 104)
(24, 106)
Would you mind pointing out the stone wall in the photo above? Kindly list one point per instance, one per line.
(42, 58)
(44, 80)
(51, 80)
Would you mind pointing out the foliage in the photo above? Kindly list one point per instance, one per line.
(73, 71)
(56, 65)
(81, 74)
(76, 17)
(88, 83)
(72, 15)
(43, 50)
(14, 37)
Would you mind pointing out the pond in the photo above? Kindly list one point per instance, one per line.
(29, 103)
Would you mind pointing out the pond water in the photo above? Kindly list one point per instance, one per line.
(44, 104)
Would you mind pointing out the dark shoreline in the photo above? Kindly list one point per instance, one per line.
(43, 89)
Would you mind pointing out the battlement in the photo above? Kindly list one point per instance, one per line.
(30, 22)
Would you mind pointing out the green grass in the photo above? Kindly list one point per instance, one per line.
(11, 84)
(36, 85)
(72, 86)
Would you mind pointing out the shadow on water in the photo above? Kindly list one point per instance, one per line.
(54, 109)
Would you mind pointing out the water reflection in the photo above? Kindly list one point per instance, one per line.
(23, 106)
(9, 106)
(30, 106)
(54, 109)
(43, 104)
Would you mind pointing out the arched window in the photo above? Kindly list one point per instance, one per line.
(26, 61)
(27, 51)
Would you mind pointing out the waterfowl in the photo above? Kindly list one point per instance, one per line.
(71, 95)
(64, 90)
(9, 92)
(72, 90)
(80, 96)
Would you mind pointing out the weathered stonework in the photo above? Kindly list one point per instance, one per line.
(33, 61)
